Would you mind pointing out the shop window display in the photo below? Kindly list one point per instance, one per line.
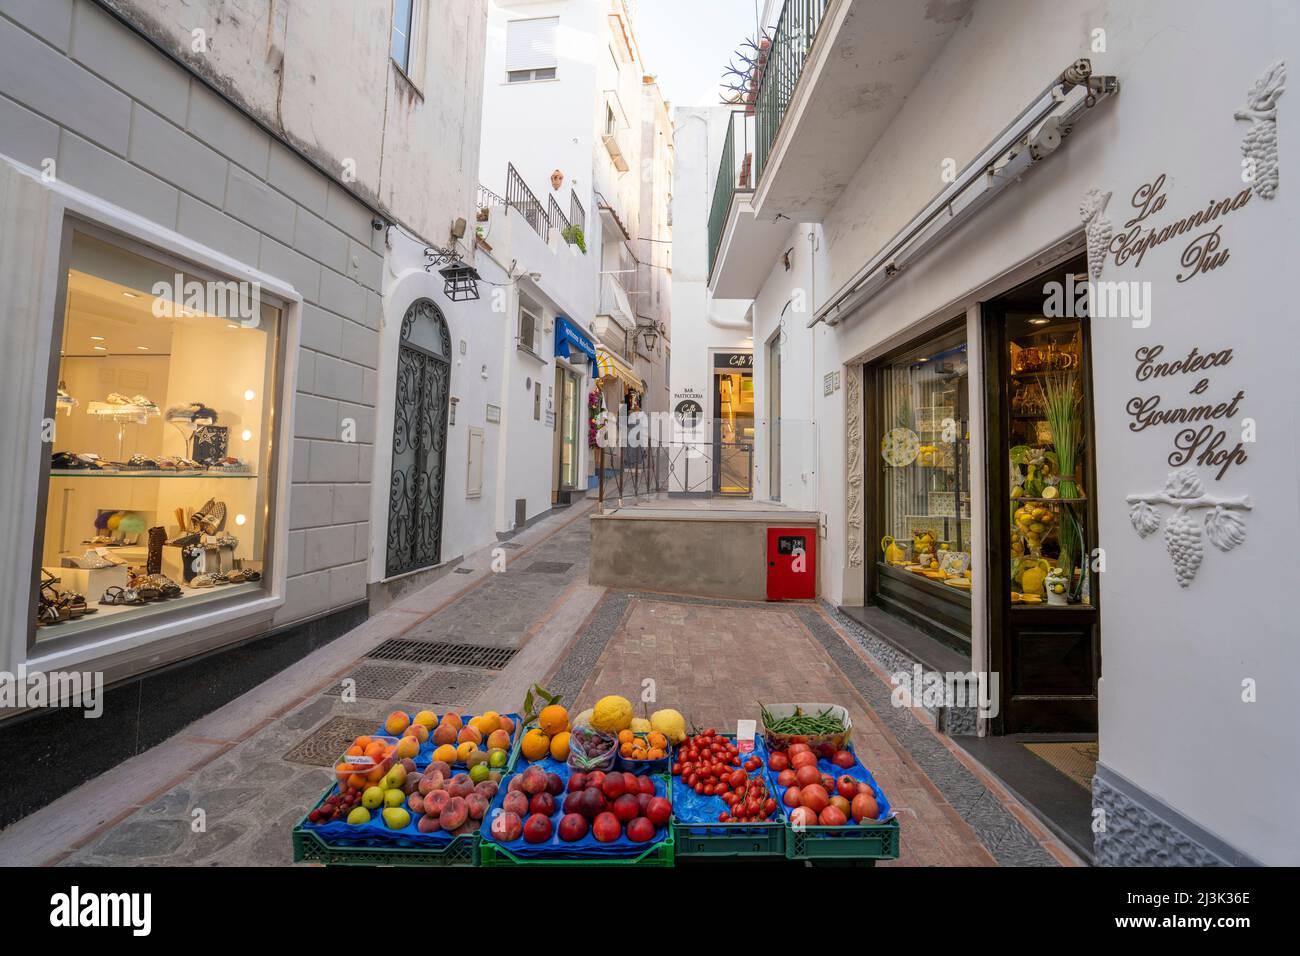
(1048, 452)
(158, 485)
(925, 456)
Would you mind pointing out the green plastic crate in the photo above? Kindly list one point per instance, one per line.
(746, 840)
(844, 845)
(310, 847)
(657, 854)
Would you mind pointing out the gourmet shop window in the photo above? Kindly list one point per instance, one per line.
(158, 493)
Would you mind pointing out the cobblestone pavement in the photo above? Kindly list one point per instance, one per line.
(228, 789)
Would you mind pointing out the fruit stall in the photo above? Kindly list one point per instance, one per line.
(603, 788)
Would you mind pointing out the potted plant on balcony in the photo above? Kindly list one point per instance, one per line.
(573, 236)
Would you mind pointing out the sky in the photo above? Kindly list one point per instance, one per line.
(687, 43)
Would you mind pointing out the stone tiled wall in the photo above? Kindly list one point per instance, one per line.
(123, 122)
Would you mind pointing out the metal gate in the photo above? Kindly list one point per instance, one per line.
(419, 440)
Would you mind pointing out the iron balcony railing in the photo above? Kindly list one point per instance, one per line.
(577, 215)
(559, 220)
(792, 41)
(734, 175)
(520, 197)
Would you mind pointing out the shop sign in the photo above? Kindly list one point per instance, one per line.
(736, 360)
(1203, 442)
(688, 412)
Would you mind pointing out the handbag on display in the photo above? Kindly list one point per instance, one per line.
(211, 443)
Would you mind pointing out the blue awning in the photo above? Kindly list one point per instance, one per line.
(568, 335)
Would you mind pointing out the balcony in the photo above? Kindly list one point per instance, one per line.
(742, 248)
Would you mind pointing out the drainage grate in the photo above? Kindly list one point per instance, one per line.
(459, 655)
(549, 567)
(323, 746)
(450, 688)
(374, 680)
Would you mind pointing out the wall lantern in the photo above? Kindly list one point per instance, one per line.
(460, 280)
(651, 336)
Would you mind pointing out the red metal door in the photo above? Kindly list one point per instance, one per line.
(791, 564)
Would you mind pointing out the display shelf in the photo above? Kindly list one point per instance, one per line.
(145, 473)
(1059, 501)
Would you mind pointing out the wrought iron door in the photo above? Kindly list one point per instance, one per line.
(415, 502)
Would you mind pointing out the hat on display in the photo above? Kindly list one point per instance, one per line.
(193, 412)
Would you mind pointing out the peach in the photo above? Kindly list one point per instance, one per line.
(498, 740)
(454, 813)
(452, 718)
(507, 724)
(426, 719)
(434, 802)
(408, 747)
(418, 731)
(445, 734)
(469, 734)
(464, 750)
(397, 722)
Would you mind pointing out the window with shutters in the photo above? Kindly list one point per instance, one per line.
(530, 320)
(474, 460)
(530, 49)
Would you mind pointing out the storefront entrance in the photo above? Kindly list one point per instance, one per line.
(567, 388)
(1043, 588)
(733, 426)
(419, 441)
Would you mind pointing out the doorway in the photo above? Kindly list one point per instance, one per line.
(733, 424)
(1044, 600)
(566, 437)
(415, 502)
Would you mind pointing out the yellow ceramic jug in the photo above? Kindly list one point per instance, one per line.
(893, 553)
(1033, 575)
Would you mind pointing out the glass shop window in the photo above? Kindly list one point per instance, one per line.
(159, 477)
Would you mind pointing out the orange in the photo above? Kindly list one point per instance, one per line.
(535, 745)
(560, 746)
(553, 720)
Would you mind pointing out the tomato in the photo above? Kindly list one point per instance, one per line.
(737, 779)
(778, 762)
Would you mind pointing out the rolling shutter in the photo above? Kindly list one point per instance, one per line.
(530, 44)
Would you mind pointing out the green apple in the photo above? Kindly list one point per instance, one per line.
(497, 759)
(358, 816)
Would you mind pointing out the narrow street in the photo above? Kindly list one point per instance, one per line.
(249, 771)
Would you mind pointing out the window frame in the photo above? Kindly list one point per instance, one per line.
(552, 68)
(533, 310)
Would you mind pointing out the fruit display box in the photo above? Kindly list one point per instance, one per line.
(424, 756)
(698, 833)
(341, 844)
(587, 851)
(853, 842)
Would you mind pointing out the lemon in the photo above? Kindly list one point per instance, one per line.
(611, 714)
(669, 723)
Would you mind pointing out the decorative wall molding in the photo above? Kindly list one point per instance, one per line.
(1185, 492)
(1097, 228)
(1259, 145)
(853, 463)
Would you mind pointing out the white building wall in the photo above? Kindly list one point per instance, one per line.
(1172, 719)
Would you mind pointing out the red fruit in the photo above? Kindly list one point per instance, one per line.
(631, 783)
(591, 803)
(571, 802)
(506, 826)
(577, 782)
(802, 817)
(625, 808)
(724, 817)
(793, 797)
(815, 798)
(803, 759)
(542, 803)
(533, 780)
(516, 801)
(844, 759)
(613, 786)
(606, 828)
(799, 748)
(537, 829)
(778, 762)
(647, 785)
(573, 827)
(806, 776)
(786, 778)
(641, 830)
(642, 802)
(595, 779)
(659, 811)
(847, 787)
(752, 764)
(430, 824)
(554, 785)
(828, 782)
(864, 807)
(832, 817)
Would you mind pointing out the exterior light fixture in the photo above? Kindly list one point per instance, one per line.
(651, 336)
(460, 280)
